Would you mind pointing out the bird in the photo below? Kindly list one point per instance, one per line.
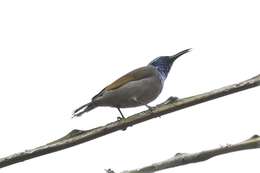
(136, 88)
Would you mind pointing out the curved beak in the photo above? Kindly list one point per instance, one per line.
(174, 57)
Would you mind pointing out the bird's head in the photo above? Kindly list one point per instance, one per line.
(164, 63)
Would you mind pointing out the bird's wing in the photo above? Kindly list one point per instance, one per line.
(134, 75)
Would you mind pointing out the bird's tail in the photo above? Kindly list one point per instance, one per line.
(82, 109)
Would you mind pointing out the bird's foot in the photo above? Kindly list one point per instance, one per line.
(120, 118)
(149, 108)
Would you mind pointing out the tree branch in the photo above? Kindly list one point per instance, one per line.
(76, 137)
(187, 158)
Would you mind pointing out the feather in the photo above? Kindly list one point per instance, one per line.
(82, 109)
(134, 75)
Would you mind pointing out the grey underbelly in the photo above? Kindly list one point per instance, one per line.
(133, 94)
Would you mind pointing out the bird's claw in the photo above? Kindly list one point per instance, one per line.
(120, 118)
(150, 108)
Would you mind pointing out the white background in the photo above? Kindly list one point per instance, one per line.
(55, 55)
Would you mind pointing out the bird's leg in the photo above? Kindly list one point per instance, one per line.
(122, 116)
(149, 107)
(146, 105)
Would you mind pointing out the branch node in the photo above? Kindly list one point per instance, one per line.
(169, 100)
(109, 171)
(255, 136)
(179, 154)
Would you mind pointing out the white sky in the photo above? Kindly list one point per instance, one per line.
(55, 55)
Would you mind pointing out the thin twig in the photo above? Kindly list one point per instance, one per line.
(76, 137)
(187, 158)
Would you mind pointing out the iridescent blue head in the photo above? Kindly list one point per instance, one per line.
(164, 63)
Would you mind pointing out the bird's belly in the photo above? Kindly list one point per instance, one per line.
(133, 94)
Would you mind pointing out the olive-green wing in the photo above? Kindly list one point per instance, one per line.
(134, 75)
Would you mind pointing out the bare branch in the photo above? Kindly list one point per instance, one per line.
(187, 158)
(76, 137)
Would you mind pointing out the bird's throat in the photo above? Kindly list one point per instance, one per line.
(162, 74)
